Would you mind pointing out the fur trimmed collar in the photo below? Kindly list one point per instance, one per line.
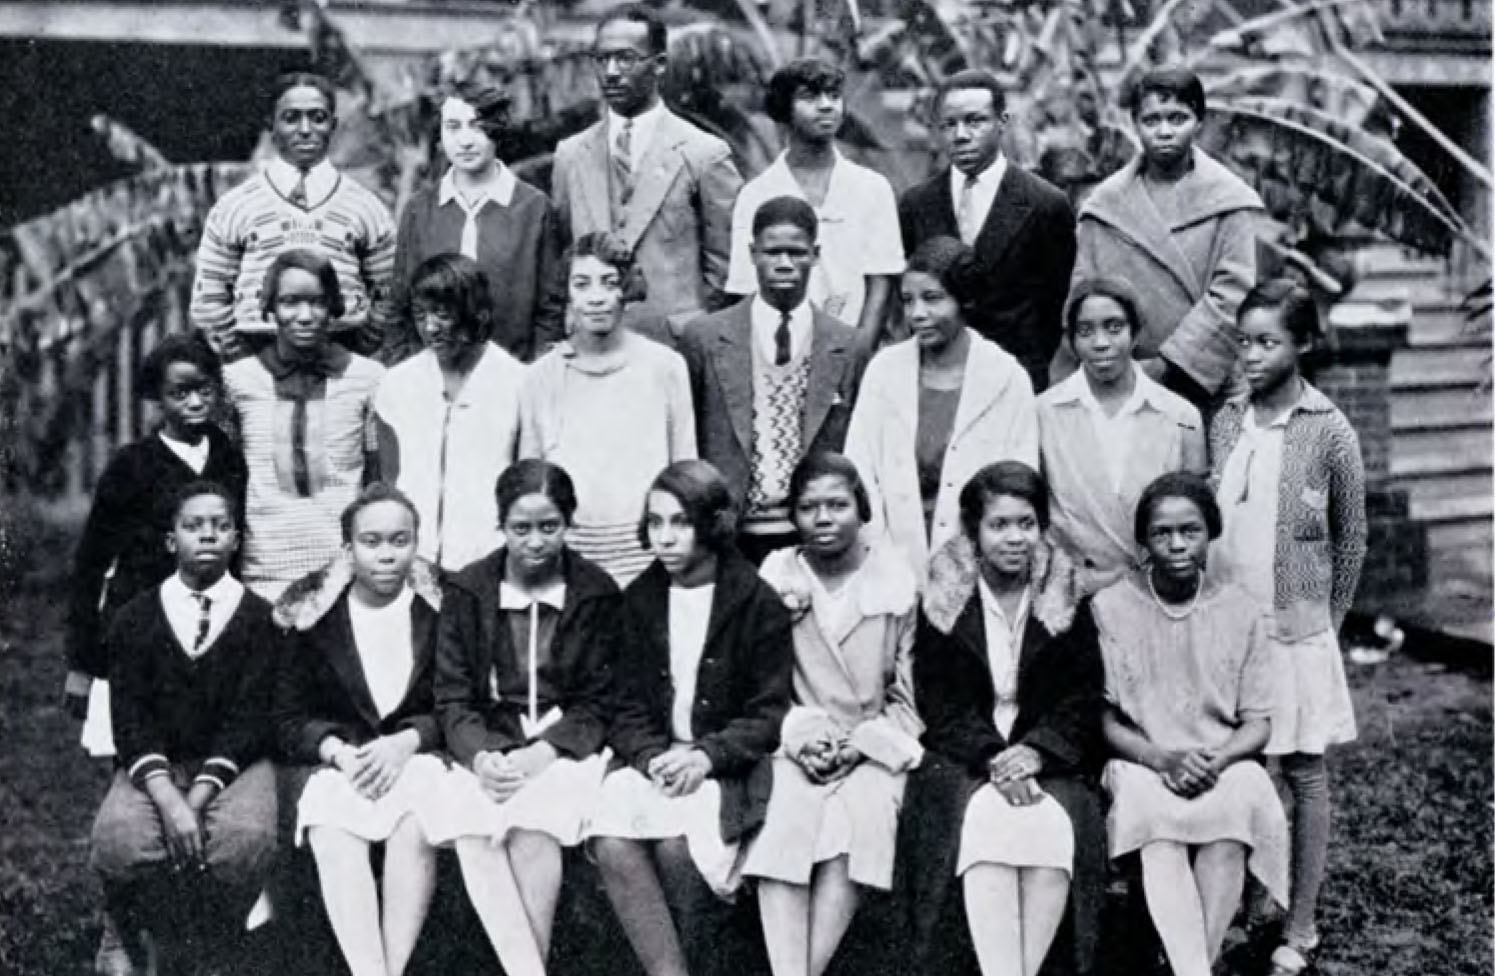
(307, 600)
(953, 572)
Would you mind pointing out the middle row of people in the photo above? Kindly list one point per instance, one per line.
(752, 389)
(710, 723)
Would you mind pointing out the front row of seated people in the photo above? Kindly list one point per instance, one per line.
(817, 727)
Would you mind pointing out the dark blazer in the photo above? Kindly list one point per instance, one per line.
(167, 708)
(124, 530)
(719, 354)
(320, 689)
(742, 688)
(1025, 252)
(1059, 697)
(475, 636)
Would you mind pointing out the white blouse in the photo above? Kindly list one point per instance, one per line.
(690, 613)
(385, 648)
(1003, 644)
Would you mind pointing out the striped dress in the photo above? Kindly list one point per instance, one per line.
(292, 529)
(613, 429)
(253, 223)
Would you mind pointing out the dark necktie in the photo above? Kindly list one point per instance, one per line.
(298, 192)
(205, 604)
(781, 341)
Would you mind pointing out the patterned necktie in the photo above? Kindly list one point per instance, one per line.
(298, 193)
(205, 604)
(965, 210)
(623, 162)
(781, 341)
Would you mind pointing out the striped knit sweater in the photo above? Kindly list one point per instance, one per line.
(253, 223)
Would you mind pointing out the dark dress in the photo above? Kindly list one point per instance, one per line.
(125, 529)
(1059, 699)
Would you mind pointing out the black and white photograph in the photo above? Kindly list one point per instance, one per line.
(746, 488)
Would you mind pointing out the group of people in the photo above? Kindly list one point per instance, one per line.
(622, 519)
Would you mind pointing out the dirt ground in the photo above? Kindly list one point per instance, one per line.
(1409, 891)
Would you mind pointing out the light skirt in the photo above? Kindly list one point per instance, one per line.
(98, 730)
(808, 823)
(997, 832)
(1243, 806)
(557, 802)
(632, 807)
(1312, 710)
(330, 800)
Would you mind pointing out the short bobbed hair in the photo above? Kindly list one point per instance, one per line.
(179, 347)
(300, 79)
(802, 76)
(1113, 288)
(1179, 84)
(953, 264)
(1293, 302)
(972, 78)
(637, 13)
(828, 464)
(1013, 478)
(312, 262)
(532, 476)
(171, 506)
(786, 210)
(1177, 484)
(372, 494)
(490, 106)
(455, 283)
(608, 249)
(704, 497)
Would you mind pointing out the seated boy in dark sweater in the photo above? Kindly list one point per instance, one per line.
(186, 835)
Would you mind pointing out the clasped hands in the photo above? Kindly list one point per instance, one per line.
(182, 820)
(680, 770)
(1190, 772)
(827, 757)
(374, 767)
(502, 774)
(1012, 772)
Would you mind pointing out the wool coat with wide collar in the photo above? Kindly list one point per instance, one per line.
(320, 686)
(475, 638)
(1059, 696)
(742, 685)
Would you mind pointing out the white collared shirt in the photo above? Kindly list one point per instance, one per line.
(184, 611)
(644, 125)
(321, 180)
(690, 616)
(1248, 494)
(983, 194)
(499, 190)
(195, 456)
(765, 319)
(1004, 641)
(514, 597)
(385, 646)
(1116, 432)
(858, 235)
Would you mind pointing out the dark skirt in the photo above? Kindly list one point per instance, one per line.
(934, 807)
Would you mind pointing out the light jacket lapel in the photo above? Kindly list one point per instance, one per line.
(827, 363)
(732, 361)
(982, 386)
(661, 161)
(1128, 209)
(595, 204)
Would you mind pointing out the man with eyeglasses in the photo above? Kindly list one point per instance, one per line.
(662, 186)
(1020, 227)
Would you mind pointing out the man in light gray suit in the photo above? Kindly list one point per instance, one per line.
(662, 186)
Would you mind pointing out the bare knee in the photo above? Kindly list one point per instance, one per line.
(617, 855)
(533, 848)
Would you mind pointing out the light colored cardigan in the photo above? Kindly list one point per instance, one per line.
(1321, 527)
(996, 420)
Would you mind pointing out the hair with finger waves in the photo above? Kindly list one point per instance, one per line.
(951, 263)
(704, 497)
(1013, 478)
